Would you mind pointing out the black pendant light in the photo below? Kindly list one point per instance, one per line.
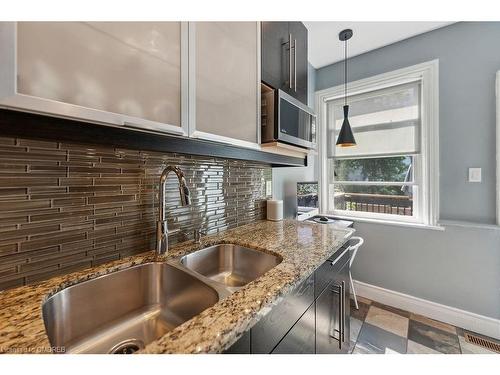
(346, 138)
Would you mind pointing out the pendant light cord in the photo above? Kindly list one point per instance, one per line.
(345, 72)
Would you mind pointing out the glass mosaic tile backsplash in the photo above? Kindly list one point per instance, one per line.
(65, 207)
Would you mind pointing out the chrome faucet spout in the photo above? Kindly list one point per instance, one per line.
(161, 224)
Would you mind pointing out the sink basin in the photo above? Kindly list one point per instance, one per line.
(231, 265)
(123, 311)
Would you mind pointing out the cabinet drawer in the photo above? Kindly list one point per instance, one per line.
(327, 271)
(268, 332)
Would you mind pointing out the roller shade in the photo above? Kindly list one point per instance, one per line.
(384, 122)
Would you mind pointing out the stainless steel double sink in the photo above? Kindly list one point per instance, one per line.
(123, 311)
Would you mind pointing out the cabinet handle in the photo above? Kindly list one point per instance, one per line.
(295, 64)
(290, 60)
(342, 313)
(341, 293)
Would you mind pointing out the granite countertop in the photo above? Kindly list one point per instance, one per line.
(303, 246)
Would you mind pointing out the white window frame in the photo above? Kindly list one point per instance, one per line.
(497, 93)
(428, 75)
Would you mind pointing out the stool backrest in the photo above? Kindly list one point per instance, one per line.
(358, 241)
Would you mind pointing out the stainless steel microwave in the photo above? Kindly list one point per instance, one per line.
(285, 119)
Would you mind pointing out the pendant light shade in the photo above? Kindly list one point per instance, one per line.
(345, 138)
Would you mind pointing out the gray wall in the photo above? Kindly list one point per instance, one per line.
(457, 267)
(285, 179)
(460, 266)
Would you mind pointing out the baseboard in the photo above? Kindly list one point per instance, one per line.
(451, 315)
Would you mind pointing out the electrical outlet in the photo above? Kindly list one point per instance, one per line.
(269, 188)
(474, 174)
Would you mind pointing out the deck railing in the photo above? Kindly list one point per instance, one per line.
(385, 204)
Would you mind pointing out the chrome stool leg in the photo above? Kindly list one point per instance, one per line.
(353, 291)
(354, 249)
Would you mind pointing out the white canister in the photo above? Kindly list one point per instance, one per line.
(274, 210)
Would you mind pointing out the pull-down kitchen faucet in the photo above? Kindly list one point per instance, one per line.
(161, 224)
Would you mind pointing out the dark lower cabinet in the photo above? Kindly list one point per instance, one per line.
(332, 315)
(271, 329)
(301, 338)
(328, 271)
(242, 346)
(313, 318)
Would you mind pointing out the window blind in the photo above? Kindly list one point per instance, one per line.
(385, 122)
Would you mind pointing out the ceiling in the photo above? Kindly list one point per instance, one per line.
(325, 47)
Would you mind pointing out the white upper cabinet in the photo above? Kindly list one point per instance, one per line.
(227, 82)
(200, 79)
(118, 73)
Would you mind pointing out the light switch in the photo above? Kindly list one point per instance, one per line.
(269, 188)
(474, 174)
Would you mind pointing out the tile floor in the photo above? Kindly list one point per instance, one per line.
(382, 329)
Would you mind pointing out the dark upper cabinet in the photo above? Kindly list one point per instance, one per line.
(299, 50)
(275, 54)
(283, 67)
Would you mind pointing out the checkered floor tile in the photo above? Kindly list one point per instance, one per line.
(382, 329)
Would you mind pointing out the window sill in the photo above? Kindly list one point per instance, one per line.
(469, 224)
(389, 222)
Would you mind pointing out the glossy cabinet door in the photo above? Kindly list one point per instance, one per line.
(299, 36)
(284, 57)
(301, 338)
(313, 318)
(269, 331)
(227, 78)
(120, 73)
(332, 315)
(275, 55)
(242, 346)
(328, 271)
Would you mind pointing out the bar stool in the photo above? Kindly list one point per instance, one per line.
(353, 249)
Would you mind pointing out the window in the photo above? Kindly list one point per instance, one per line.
(391, 174)
(375, 185)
